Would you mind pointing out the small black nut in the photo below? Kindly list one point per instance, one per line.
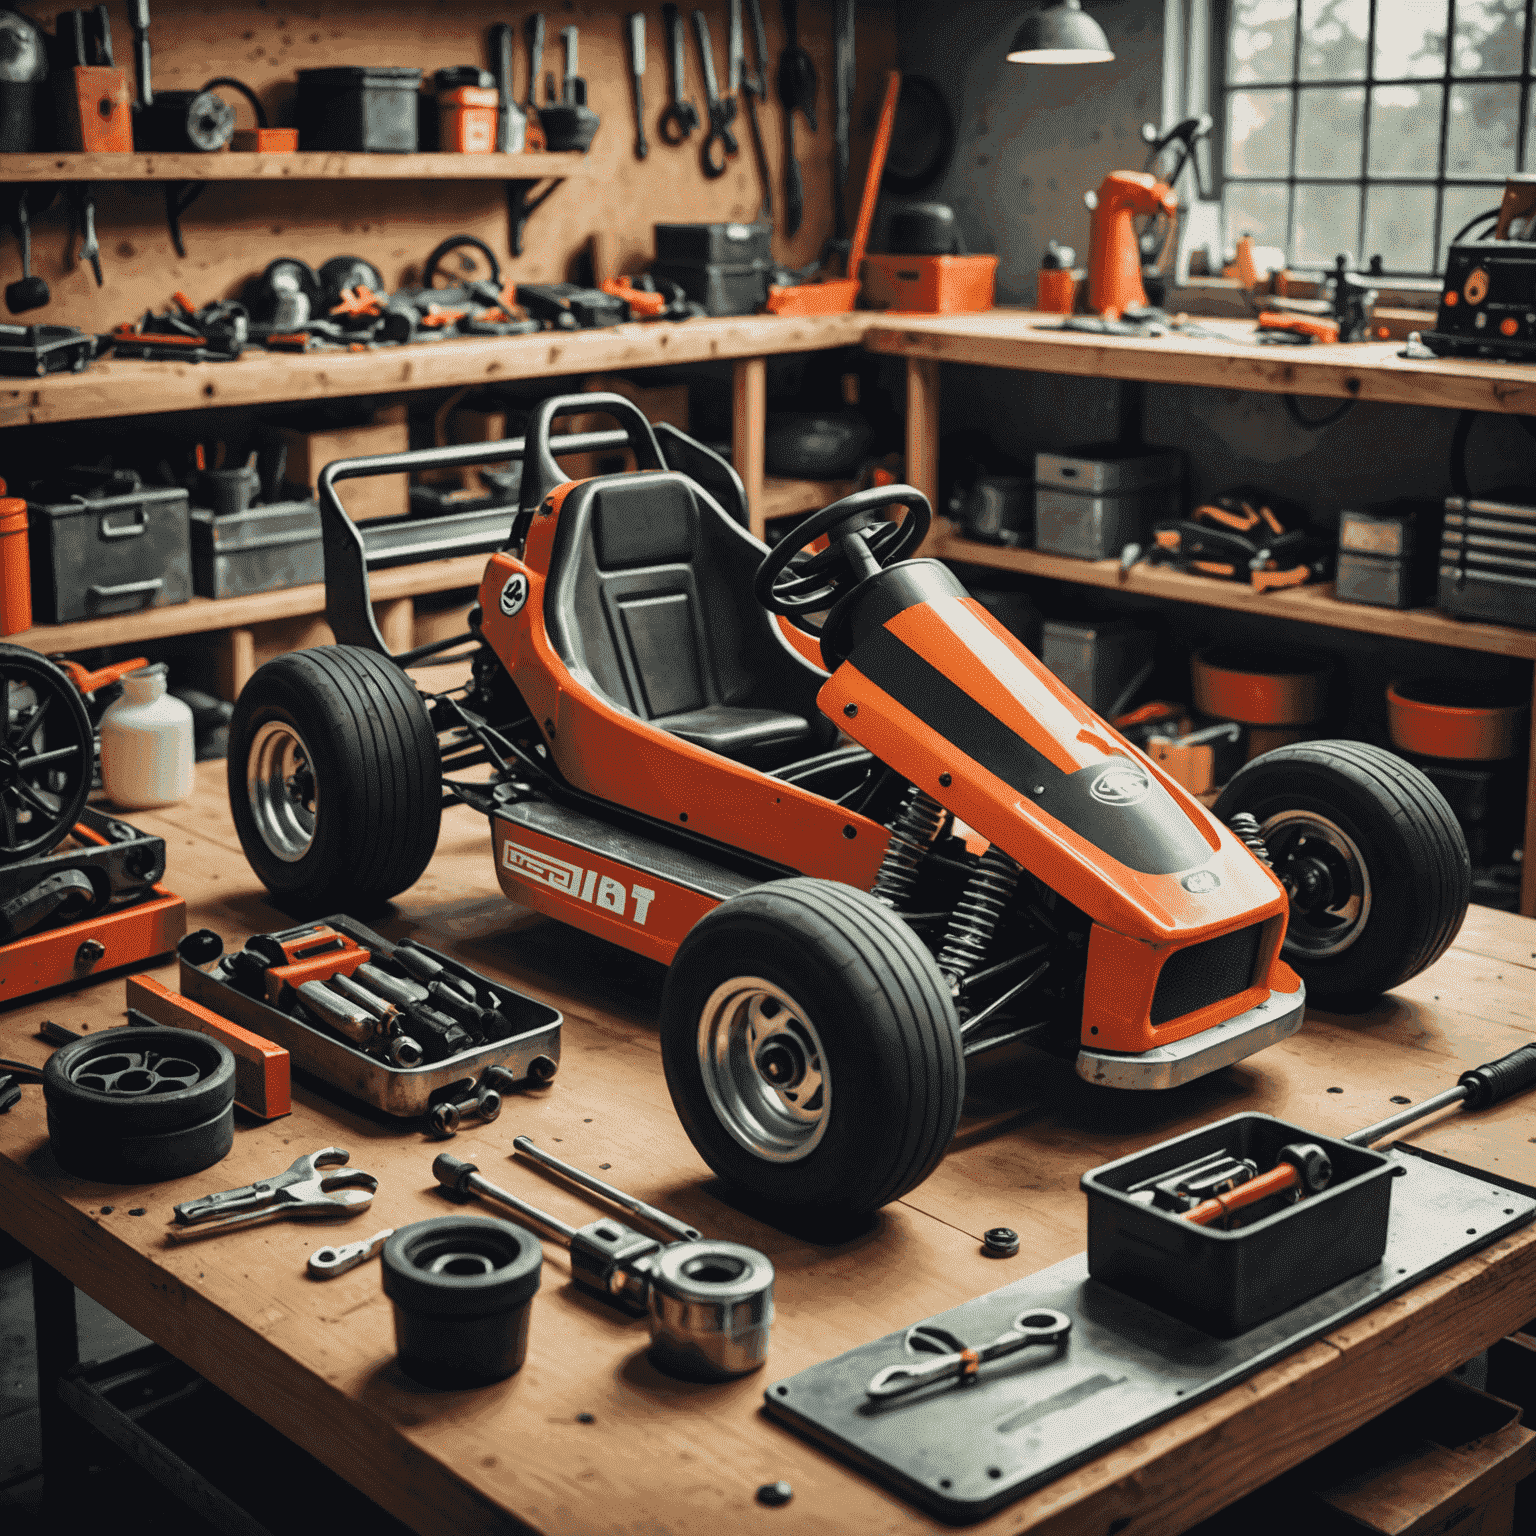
(775, 1494)
(1000, 1242)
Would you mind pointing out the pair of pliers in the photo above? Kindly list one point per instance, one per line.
(722, 109)
(303, 1190)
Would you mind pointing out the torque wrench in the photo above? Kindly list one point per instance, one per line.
(1307, 1167)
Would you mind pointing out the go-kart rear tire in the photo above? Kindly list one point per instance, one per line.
(840, 986)
(354, 722)
(1410, 849)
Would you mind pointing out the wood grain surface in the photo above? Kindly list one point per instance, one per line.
(317, 1359)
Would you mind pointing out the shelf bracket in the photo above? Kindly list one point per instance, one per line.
(521, 206)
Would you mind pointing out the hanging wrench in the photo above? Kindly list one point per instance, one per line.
(679, 117)
(722, 109)
(89, 250)
(327, 1263)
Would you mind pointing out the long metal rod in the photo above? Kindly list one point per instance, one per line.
(1371, 1133)
(973, 1024)
(630, 1203)
(483, 1186)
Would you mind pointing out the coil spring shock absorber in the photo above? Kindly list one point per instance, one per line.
(915, 827)
(1245, 827)
(976, 914)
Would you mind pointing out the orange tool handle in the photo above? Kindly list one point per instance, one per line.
(875, 172)
(89, 682)
(1279, 1179)
(1319, 330)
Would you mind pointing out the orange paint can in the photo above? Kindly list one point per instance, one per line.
(1436, 718)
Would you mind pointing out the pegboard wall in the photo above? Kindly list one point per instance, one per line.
(234, 229)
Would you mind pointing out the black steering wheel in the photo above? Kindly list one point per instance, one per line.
(862, 545)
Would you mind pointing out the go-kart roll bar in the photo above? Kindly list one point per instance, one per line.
(351, 550)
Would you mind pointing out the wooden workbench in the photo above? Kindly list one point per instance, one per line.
(317, 1360)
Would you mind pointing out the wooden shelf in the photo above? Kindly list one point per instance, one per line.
(1298, 605)
(1014, 338)
(203, 614)
(788, 498)
(312, 165)
(122, 387)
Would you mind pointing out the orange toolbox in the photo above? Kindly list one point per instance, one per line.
(931, 285)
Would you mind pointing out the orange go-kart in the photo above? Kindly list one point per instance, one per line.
(868, 850)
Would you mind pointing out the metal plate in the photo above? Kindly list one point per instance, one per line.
(962, 1453)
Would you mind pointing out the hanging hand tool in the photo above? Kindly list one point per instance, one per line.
(845, 77)
(511, 125)
(327, 1263)
(570, 124)
(754, 88)
(637, 79)
(138, 19)
(27, 292)
(1041, 1325)
(533, 30)
(679, 117)
(1306, 1168)
(90, 250)
(722, 109)
(797, 92)
(302, 1190)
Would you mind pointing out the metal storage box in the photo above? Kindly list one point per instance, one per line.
(114, 555)
(723, 288)
(1098, 662)
(1488, 560)
(1228, 1282)
(359, 107)
(263, 549)
(1379, 583)
(1111, 468)
(1097, 527)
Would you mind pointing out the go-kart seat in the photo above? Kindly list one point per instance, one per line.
(649, 602)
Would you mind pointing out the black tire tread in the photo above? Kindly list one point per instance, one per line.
(898, 970)
(1426, 822)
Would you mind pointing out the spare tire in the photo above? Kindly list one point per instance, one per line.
(137, 1105)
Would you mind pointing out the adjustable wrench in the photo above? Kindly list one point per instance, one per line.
(722, 109)
(679, 117)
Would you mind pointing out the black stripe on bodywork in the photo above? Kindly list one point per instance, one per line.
(1153, 836)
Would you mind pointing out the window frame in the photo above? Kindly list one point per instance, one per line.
(1220, 90)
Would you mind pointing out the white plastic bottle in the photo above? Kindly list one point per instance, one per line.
(146, 744)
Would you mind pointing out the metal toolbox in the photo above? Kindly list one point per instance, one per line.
(1099, 662)
(263, 549)
(115, 554)
(723, 288)
(1225, 1283)
(359, 107)
(1377, 583)
(1488, 560)
(401, 1091)
(1382, 556)
(1097, 527)
(1108, 468)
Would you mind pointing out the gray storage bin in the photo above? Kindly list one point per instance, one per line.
(722, 288)
(263, 549)
(1098, 527)
(114, 555)
(1108, 467)
(1099, 661)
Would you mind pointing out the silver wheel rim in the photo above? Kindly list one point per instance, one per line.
(764, 1069)
(1316, 931)
(281, 786)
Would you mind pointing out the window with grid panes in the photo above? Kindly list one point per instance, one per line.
(1376, 127)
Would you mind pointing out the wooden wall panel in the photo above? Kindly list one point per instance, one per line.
(235, 229)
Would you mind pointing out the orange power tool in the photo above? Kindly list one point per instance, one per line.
(1114, 252)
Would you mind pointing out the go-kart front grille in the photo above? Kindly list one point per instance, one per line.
(1201, 974)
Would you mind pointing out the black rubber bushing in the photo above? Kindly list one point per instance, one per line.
(135, 1103)
(90, 1154)
(1000, 1242)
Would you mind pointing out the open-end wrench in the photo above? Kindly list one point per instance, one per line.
(89, 250)
(722, 109)
(327, 1263)
(679, 117)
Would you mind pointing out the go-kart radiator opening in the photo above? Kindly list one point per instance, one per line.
(1201, 974)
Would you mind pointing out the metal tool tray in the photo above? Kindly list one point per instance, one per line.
(402, 1091)
(964, 1452)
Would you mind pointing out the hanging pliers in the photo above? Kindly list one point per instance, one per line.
(303, 1190)
(722, 109)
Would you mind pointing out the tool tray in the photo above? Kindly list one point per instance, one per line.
(1228, 1282)
(402, 1091)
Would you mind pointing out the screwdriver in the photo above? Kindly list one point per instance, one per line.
(1308, 1167)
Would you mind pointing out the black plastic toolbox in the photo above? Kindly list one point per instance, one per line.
(1228, 1282)
(728, 244)
(734, 288)
(263, 549)
(359, 107)
(112, 554)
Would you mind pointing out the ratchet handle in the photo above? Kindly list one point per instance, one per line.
(1495, 1081)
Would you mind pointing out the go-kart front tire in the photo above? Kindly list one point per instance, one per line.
(335, 780)
(811, 1048)
(1376, 863)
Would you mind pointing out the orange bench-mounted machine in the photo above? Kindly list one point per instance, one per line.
(870, 849)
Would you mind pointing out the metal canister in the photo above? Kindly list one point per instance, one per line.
(711, 1308)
